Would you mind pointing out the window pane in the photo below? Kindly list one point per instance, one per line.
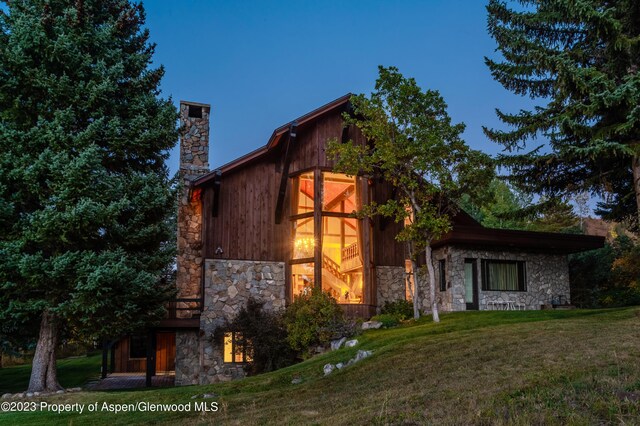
(338, 193)
(302, 194)
(468, 282)
(342, 259)
(443, 275)
(302, 278)
(504, 275)
(228, 347)
(303, 238)
(138, 347)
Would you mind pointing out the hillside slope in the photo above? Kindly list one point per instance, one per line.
(577, 367)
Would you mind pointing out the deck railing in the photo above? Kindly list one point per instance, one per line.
(184, 308)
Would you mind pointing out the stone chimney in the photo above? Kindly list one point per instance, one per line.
(194, 162)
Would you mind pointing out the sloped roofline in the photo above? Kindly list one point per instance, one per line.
(274, 140)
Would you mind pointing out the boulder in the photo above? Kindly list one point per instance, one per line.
(351, 343)
(337, 344)
(362, 355)
(6, 396)
(371, 325)
(339, 366)
(296, 381)
(328, 369)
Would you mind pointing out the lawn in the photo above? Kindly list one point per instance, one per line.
(72, 372)
(564, 367)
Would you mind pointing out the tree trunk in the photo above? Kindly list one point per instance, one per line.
(44, 375)
(432, 284)
(635, 166)
(416, 292)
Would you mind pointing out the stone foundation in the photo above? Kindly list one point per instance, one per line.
(228, 286)
(187, 358)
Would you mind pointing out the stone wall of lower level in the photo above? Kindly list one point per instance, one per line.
(228, 285)
(187, 357)
(547, 277)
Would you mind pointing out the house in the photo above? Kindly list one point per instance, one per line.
(279, 219)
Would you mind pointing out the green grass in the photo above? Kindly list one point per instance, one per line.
(540, 367)
(72, 372)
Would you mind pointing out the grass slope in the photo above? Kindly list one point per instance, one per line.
(72, 372)
(569, 367)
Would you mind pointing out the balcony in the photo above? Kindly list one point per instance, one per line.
(183, 313)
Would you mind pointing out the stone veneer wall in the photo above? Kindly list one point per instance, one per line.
(228, 286)
(187, 357)
(547, 276)
(194, 154)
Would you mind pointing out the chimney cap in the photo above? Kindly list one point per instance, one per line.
(195, 104)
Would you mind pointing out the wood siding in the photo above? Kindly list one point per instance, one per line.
(245, 228)
(165, 355)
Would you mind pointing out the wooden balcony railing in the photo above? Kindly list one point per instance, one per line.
(184, 308)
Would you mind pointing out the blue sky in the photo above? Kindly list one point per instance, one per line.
(261, 64)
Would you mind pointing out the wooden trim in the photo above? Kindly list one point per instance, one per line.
(285, 171)
(504, 239)
(317, 227)
(300, 261)
(275, 138)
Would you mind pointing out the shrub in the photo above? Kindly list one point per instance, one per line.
(264, 334)
(401, 309)
(313, 319)
(387, 320)
(606, 277)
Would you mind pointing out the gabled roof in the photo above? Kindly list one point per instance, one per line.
(275, 139)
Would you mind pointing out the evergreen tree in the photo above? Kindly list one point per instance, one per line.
(414, 147)
(581, 58)
(86, 204)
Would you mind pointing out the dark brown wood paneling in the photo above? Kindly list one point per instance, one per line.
(165, 352)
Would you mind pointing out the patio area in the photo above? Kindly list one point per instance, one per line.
(117, 381)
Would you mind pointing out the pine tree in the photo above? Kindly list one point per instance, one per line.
(86, 203)
(580, 59)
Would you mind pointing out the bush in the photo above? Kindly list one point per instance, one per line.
(312, 320)
(387, 320)
(264, 334)
(401, 309)
(606, 277)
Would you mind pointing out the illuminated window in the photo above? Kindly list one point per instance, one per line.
(339, 237)
(235, 348)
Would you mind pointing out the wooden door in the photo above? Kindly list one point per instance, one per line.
(165, 352)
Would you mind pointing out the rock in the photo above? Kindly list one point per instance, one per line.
(6, 396)
(337, 344)
(18, 395)
(351, 343)
(74, 390)
(362, 355)
(371, 325)
(296, 381)
(195, 396)
(328, 369)
(320, 349)
(29, 394)
(209, 395)
(339, 366)
(60, 392)
(36, 394)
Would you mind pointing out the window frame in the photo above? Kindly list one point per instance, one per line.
(521, 274)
